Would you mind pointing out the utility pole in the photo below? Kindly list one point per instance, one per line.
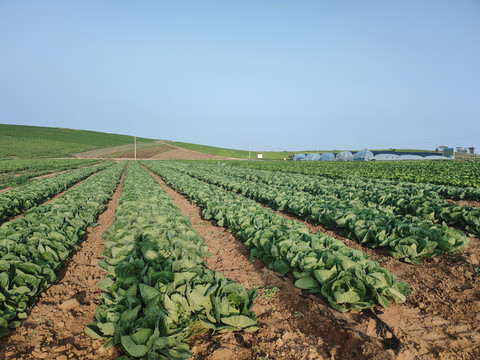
(135, 146)
(249, 150)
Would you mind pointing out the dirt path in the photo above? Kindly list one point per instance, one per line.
(292, 326)
(471, 203)
(55, 325)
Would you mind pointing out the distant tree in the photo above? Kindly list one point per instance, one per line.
(471, 149)
(459, 149)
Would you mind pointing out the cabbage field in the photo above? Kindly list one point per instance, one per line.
(241, 260)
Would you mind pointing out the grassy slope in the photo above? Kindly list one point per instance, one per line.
(42, 142)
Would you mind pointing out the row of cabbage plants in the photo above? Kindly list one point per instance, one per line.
(157, 285)
(34, 248)
(42, 165)
(345, 277)
(407, 237)
(358, 182)
(15, 172)
(400, 198)
(452, 173)
(14, 201)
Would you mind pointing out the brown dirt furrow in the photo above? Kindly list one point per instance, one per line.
(441, 317)
(180, 153)
(292, 326)
(55, 325)
(471, 203)
(50, 175)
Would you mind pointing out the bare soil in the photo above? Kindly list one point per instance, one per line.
(471, 203)
(104, 152)
(162, 151)
(180, 153)
(147, 153)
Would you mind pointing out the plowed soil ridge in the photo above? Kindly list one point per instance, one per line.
(55, 325)
(164, 151)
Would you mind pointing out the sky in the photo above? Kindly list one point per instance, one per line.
(247, 74)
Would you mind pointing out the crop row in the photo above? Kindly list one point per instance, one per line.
(400, 198)
(157, 284)
(16, 200)
(16, 172)
(34, 248)
(407, 237)
(453, 173)
(42, 165)
(357, 182)
(321, 264)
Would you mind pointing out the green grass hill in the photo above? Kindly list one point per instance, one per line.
(44, 142)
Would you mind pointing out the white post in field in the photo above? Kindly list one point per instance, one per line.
(135, 146)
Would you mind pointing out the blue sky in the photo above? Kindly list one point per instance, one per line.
(265, 74)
